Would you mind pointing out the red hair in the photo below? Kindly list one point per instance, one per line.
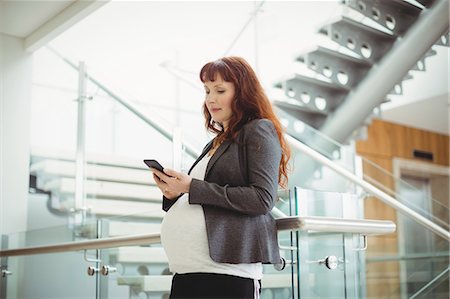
(250, 102)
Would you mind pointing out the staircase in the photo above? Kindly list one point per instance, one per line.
(115, 186)
(333, 78)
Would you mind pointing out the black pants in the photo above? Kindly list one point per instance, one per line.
(211, 285)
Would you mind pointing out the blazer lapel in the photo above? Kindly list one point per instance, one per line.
(205, 151)
(222, 148)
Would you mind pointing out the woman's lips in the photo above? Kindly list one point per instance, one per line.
(215, 109)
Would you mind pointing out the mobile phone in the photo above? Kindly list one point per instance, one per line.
(154, 164)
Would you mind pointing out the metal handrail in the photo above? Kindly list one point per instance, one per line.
(337, 225)
(384, 197)
(192, 151)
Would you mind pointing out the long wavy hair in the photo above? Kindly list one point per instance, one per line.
(250, 102)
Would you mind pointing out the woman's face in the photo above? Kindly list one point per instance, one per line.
(219, 97)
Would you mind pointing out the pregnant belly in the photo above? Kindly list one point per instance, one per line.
(183, 231)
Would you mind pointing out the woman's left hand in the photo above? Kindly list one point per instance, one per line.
(173, 181)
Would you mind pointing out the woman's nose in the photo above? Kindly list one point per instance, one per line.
(210, 98)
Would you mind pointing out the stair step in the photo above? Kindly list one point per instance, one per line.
(402, 13)
(426, 3)
(293, 104)
(39, 154)
(342, 69)
(444, 40)
(162, 283)
(420, 65)
(48, 169)
(312, 99)
(126, 210)
(313, 93)
(139, 255)
(122, 227)
(101, 189)
(149, 283)
(368, 42)
(312, 118)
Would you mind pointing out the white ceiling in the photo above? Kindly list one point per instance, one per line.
(430, 114)
(21, 18)
(39, 22)
(425, 100)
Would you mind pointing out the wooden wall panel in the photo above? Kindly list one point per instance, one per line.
(393, 140)
(378, 144)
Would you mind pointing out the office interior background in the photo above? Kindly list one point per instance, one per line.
(91, 88)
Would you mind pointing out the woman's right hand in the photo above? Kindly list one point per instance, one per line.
(164, 188)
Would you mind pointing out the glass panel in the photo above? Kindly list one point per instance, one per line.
(423, 192)
(317, 248)
(51, 235)
(428, 277)
(319, 281)
(43, 276)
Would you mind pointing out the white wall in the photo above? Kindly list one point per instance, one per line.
(15, 98)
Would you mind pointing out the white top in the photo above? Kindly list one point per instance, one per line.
(184, 238)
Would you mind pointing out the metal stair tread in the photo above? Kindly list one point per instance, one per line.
(353, 23)
(336, 54)
(137, 254)
(58, 168)
(38, 153)
(314, 81)
(123, 227)
(294, 104)
(397, 9)
(103, 189)
(149, 283)
(124, 210)
(162, 283)
(426, 3)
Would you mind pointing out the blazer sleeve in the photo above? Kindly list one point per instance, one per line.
(263, 153)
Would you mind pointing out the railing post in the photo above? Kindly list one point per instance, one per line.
(80, 194)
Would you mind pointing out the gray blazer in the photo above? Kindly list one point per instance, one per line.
(237, 195)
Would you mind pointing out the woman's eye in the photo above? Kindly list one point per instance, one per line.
(221, 91)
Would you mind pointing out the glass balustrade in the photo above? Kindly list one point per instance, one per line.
(411, 238)
(139, 271)
(49, 275)
(432, 205)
